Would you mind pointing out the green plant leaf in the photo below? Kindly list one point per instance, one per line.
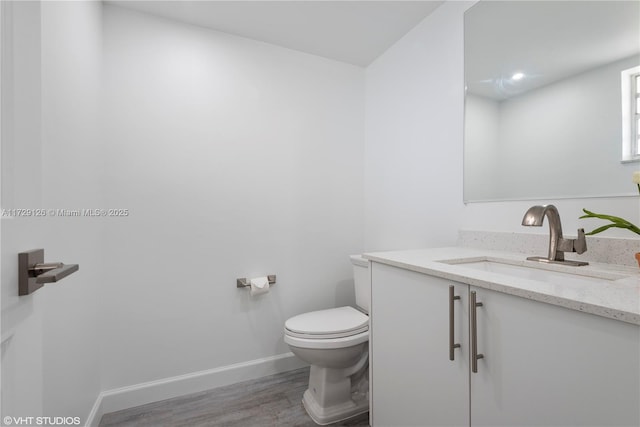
(617, 222)
(603, 228)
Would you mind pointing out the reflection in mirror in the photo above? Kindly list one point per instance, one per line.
(543, 104)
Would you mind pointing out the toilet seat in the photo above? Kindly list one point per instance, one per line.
(330, 323)
(332, 328)
(327, 335)
(326, 343)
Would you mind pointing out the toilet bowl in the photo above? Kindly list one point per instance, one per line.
(335, 344)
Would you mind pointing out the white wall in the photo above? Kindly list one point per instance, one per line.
(50, 365)
(413, 160)
(235, 159)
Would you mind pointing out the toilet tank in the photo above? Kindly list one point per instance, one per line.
(362, 281)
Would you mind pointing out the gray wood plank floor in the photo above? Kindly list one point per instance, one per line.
(274, 401)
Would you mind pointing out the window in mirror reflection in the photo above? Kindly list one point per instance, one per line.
(631, 114)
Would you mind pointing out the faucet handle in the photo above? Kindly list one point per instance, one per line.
(580, 244)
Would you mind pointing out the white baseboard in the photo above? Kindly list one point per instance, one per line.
(167, 388)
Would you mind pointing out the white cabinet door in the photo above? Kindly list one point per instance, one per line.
(413, 381)
(545, 365)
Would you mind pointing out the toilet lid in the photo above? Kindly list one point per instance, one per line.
(331, 322)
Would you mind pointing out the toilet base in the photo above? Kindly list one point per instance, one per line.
(323, 416)
(354, 401)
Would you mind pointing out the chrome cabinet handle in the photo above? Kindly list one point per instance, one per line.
(452, 344)
(474, 331)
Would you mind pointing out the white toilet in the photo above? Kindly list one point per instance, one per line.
(335, 342)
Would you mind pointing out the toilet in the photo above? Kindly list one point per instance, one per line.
(335, 342)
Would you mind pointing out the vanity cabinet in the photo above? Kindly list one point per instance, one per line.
(413, 382)
(543, 365)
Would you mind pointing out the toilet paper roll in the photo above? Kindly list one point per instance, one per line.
(259, 285)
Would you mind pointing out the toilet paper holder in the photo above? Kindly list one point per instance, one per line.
(243, 282)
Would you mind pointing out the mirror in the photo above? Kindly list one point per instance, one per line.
(555, 129)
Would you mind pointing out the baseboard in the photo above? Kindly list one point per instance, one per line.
(167, 388)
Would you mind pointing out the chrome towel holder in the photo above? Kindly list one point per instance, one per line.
(243, 282)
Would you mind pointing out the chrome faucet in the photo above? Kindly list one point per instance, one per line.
(558, 245)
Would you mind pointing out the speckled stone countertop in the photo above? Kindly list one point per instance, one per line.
(606, 290)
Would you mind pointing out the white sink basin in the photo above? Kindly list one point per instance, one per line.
(532, 270)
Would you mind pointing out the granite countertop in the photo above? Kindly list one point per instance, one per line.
(606, 290)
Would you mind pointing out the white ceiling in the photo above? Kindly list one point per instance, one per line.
(356, 32)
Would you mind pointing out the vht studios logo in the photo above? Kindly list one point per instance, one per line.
(41, 421)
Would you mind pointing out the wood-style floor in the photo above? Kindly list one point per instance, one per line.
(273, 401)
